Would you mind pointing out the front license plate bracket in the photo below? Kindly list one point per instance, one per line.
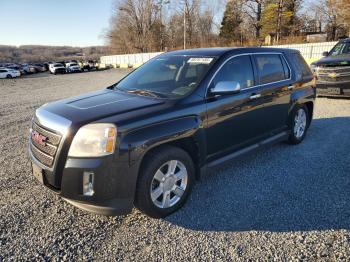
(38, 173)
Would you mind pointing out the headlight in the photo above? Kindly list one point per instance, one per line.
(313, 67)
(94, 140)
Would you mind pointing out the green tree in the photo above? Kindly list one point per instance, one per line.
(231, 23)
(275, 18)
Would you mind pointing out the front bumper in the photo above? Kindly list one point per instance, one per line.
(60, 71)
(114, 185)
(333, 89)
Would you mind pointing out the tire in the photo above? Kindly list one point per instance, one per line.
(157, 165)
(300, 117)
(9, 76)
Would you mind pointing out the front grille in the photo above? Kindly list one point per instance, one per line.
(41, 156)
(334, 74)
(46, 151)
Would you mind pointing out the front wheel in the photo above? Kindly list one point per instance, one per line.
(299, 123)
(9, 76)
(165, 181)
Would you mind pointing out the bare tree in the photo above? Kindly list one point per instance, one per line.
(254, 12)
(133, 26)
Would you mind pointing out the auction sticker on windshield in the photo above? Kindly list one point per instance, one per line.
(200, 60)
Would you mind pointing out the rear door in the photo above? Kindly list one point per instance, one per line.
(276, 85)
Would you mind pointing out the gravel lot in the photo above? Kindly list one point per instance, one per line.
(283, 203)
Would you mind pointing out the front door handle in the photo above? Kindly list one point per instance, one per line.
(291, 87)
(255, 96)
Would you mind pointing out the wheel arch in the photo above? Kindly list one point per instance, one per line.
(189, 144)
(186, 133)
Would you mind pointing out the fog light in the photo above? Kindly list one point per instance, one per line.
(88, 184)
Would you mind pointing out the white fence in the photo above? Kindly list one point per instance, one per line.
(128, 60)
(309, 51)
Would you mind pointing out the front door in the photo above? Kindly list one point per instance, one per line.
(233, 120)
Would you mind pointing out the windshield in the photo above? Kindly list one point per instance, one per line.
(340, 49)
(167, 77)
(73, 65)
(58, 65)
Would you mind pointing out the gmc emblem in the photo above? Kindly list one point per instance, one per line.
(39, 138)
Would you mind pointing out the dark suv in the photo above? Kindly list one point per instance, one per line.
(146, 139)
(333, 70)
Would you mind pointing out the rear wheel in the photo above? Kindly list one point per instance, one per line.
(165, 181)
(299, 124)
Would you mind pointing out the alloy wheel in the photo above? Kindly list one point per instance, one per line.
(300, 123)
(169, 184)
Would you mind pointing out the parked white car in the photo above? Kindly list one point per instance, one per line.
(57, 69)
(9, 73)
(73, 67)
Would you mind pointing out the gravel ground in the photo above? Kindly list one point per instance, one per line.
(284, 203)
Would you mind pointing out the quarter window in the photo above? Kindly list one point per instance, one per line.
(238, 69)
(271, 68)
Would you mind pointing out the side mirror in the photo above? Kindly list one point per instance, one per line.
(325, 53)
(226, 88)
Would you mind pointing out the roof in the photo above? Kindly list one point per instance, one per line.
(345, 40)
(218, 51)
(225, 50)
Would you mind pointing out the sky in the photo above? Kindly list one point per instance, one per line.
(64, 22)
(54, 22)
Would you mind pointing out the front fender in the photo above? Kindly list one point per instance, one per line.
(137, 143)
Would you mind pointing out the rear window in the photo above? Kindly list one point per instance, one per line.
(272, 68)
(301, 66)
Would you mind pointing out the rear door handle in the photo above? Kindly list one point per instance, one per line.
(255, 96)
(291, 87)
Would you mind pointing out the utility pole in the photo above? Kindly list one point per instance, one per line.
(160, 5)
(185, 7)
(279, 21)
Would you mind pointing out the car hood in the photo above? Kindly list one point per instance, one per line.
(339, 60)
(98, 105)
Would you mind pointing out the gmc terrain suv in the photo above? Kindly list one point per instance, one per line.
(145, 140)
(333, 71)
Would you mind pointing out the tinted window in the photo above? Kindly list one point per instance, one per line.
(2, 71)
(270, 68)
(340, 48)
(238, 69)
(301, 65)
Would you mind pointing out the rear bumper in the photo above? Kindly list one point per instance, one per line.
(329, 89)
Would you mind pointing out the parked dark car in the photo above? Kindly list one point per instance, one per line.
(36, 68)
(145, 140)
(89, 65)
(333, 70)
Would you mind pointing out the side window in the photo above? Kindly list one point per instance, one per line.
(300, 63)
(238, 69)
(271, 69)
(2, 71)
